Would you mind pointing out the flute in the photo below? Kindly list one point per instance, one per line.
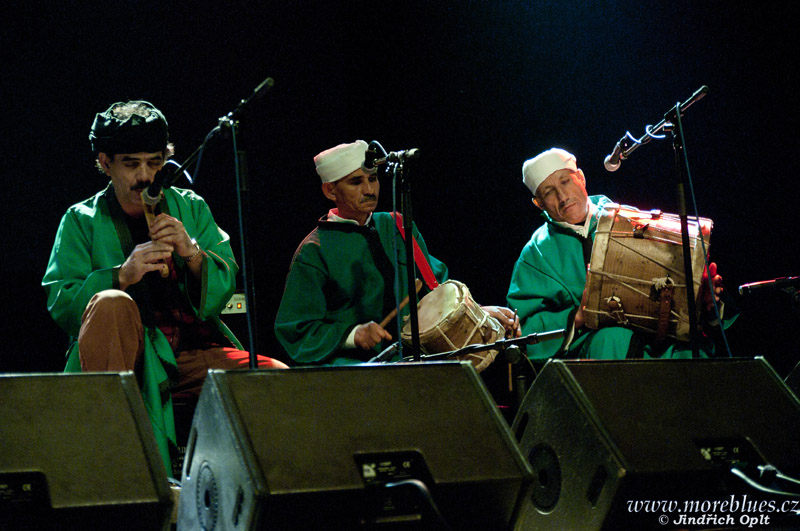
(150, 215)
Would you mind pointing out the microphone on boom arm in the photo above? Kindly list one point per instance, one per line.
(376, 156)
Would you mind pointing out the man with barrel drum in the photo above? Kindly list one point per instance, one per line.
(340, 282)
(140, 295)
(548, 281)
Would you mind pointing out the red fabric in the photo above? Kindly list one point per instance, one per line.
(193, 365)
(419, 257)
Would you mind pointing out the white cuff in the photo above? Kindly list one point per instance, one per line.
(350, 342)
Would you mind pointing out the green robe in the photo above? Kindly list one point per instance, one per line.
(342, 276)
(547, 284)
(90, 246)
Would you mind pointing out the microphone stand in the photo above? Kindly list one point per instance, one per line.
(404, 183)
(500, 344)
(682, 184)
(229, 124)
(672, 123)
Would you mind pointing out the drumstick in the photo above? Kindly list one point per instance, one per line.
(390, 316)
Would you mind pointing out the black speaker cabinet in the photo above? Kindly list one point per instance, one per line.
(403, 446)
(604, 438)
(77, 452)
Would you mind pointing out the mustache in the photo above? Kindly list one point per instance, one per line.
(368, 198)
(141, 185)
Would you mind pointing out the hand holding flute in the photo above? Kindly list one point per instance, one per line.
(168, 235)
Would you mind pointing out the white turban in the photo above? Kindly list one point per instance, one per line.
(543, 165)
(339, 161)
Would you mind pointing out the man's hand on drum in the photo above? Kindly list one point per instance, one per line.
(580, 318)
(505, 317)
(370, 334)
(716, 280)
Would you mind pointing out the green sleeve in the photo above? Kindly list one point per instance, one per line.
(546, 285)
(535, 297)
(305, 328)
(70, 279)
(218, 279)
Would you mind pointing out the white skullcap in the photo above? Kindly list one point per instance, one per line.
(543, 165)
(336, 162)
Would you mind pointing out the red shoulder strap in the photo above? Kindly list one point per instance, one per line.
(419, 257)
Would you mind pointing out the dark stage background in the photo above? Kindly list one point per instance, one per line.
(478, 87)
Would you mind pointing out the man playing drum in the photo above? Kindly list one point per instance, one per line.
(547, 284)
(340, 280)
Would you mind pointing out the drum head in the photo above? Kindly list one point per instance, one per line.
(437, 305)
(449, 319)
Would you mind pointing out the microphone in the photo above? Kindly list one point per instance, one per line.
(257, 94)
(371, 160)
(765, 286)
(152, 194)
(163, 178)
(613, 160)
(402, 156)
(387, 354)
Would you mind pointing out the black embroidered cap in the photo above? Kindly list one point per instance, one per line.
(129, 127)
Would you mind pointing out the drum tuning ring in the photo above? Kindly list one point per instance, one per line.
(639, 228)
(616, 310)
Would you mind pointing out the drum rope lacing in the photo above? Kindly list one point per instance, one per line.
(624, 282)
(677, 272)
(619, 234)
(631, 315)
(634, 324)
(478, 324)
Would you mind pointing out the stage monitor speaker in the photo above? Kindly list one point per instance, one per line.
(77, 452)
(400, 446)
(608, 440)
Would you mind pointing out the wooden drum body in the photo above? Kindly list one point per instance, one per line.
(636, 274)
(449, 320)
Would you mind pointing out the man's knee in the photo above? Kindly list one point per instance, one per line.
(109, 301)
(111, 334)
